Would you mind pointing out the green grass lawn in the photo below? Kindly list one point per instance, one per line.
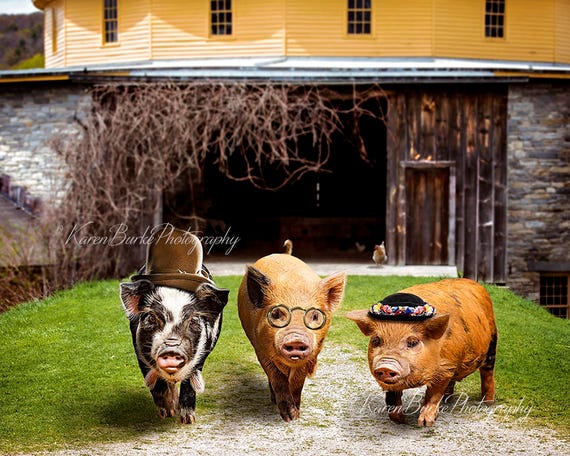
(68, 374)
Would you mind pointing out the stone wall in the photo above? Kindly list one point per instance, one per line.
(31, 113)
(538, 148)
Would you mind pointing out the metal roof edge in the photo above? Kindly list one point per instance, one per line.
(295, 68)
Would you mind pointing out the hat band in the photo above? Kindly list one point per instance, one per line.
(384, 310)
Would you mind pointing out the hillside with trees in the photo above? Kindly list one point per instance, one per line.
(21, 41)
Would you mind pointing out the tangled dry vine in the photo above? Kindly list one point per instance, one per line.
(136, 141)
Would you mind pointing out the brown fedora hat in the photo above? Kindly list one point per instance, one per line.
(174, 259)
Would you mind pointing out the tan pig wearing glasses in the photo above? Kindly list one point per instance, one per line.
(285, 309)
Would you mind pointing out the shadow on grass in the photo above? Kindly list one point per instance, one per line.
(234, 397)
(244, 397)
(133, 410)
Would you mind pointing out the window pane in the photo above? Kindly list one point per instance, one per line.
(494, 18)
(110, 23)
(221, 17)
(359, 16)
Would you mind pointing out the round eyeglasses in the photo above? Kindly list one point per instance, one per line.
(279, 316)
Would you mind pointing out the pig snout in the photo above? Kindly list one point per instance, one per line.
(170, 362)
(170, 359)
(390, 370)
(296, 347)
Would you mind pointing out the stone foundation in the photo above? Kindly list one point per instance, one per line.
(538, 148)
(29, 115)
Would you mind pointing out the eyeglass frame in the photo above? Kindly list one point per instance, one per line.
(290, 314)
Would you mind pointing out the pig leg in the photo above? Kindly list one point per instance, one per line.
(487, 372)
(187, 402)
(281, 394)
(394, 403)
(450, 390)
(430, 408)
(165, 397)
(296, 383)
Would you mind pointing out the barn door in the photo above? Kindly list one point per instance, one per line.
(427, 215)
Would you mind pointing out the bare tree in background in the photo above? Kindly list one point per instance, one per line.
(137, 140)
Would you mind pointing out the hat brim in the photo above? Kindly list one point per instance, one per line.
(186, 282)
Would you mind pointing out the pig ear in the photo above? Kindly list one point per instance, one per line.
(361, 318)
(436, 325)
(212, 298)
(131, 293)
(257, 283)
(333, 286)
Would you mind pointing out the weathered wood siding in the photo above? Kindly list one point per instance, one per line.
(464, 133)
(170, 29)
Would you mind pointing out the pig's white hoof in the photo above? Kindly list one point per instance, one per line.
(187, 417)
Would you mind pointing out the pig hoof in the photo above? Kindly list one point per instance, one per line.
(426, 420)
(289, 413)
(187, 417)
(166, 412)
(397, 417)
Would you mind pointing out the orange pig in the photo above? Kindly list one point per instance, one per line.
(412, 345)
(285, 309)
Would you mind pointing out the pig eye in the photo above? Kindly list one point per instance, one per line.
(413, 342)
(314, 318)
(279, 316)
(376, 341)
(150, 320)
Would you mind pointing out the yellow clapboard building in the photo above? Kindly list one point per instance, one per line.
(87, 32)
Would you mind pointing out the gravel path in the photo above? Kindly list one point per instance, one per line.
(342, 413)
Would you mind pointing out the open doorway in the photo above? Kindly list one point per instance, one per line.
(339, 213)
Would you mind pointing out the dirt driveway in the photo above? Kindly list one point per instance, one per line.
(342, 413)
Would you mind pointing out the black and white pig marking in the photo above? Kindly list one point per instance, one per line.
(173, 331)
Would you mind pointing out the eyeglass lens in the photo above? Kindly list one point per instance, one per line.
(280, 316)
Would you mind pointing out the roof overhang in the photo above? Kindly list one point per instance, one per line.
(321, 70)
(41, 4)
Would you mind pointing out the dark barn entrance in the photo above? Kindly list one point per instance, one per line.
(335, 214)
